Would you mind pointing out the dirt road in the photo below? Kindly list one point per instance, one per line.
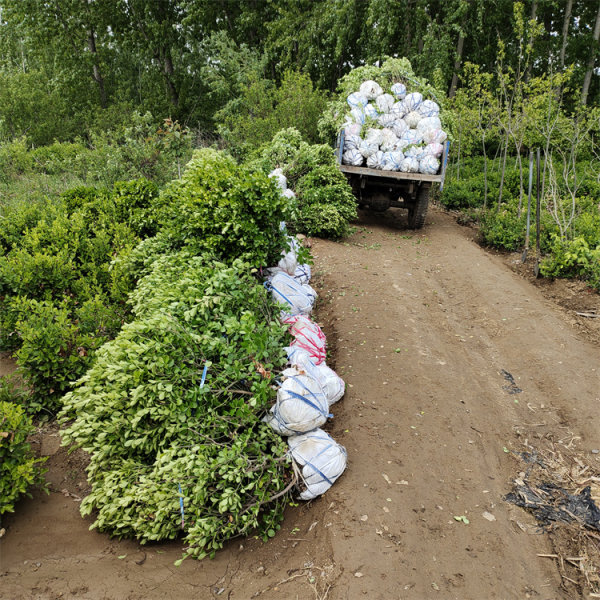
(428, 330)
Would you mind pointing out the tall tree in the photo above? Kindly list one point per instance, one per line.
(592, 59)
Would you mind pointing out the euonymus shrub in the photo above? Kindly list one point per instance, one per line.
(157, 436)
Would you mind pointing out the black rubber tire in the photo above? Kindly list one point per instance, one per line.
(418, 211)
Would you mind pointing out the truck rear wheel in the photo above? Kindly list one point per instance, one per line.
(418, 211)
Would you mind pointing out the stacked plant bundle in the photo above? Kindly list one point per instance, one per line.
(171, 411)
(389, 121)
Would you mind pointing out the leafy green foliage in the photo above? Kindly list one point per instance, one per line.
(19, 469)
(150, 426)
(224, 209)
(573, 258)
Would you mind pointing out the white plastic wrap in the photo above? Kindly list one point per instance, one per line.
(410, 165)
(398, 110)
(289, 194)
(302, 274)
(352, 129)
(414, 151)
(412, 101)
(429, 108)
(434, 150)
(373, 136)
(412, 119)
(371, 111)
(388, 140)
(301, 406)
(308, 337)
(367, 149)
(399, 90)
(371, 89)
(427, 123)
(384, 102)
(386, 119)
(351, 142)
(357, 99)
(280, 178)
(391, 161)
(353, 158)
(375, 161)
(358, 115)
(412, 136)
(434, 136)
(399, 127)
(429, 165)
(295, 298)
(322, 460)
(401, 144)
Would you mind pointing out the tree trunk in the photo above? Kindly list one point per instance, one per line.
(532, 17)
(97, 74)
(457, 63)
(500, 191)
(565, 32)
(590, 66)
(168, 72)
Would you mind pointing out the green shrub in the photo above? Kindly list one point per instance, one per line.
(572, 258)
(503, 228)
(18, 468)
(134, 201)
(156, 435)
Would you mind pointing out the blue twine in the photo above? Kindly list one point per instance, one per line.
(181, 505)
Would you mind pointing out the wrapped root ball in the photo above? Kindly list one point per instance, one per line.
(352, 129)
(371, 89)
(358, 116)
(412, 136)
(373, 136)
(429, 108)
(398, 110)
(384, 103)
(412, 119)
(371, 111)
(435, 136)
(412, 101)
(375, 161)
(386, 119)
(434, 150)
(409, 165)
(388, 140)
(367, 149)
(280, 178)
(429, 123)
(352, 142)
(429, 165)
(353, 157)
(399, 127)
(357, 100)
(414, 152)
(391, 161)
(399, 91)
(401, 144)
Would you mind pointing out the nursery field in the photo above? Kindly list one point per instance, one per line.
(457, 369)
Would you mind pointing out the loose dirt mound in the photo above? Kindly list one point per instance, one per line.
(452, 362)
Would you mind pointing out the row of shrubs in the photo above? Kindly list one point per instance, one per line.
(576, 253)
(133, 292)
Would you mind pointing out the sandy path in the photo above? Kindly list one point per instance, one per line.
(425, 324)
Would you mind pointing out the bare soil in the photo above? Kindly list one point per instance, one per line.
(434, 336)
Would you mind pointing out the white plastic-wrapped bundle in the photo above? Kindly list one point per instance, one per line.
(412, 136)
(414, 151)
(375, 161)
(351, 142)
(412, 101)
(391, 161)
(295, 298)
(429, 108)
(399, 127)
(398, 110)
(427, 123)
(386, 119)
(302, 274)
(388, 140)
(289, 258)
(399, 91)
(357, 99)
(373, 136)
(434, 150)
(409, 165)
(358, 115)
(308, 337)
(371, 111)
(412, 119)
(301, 406)
(401, 144)
(434, 136)
(352, 129)
(371, 89)
(353, 158)
(280, 178)
(429, 165)
(367, 149)
(333, 385)
(289, 194)
(384, 102)
(322, 460)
